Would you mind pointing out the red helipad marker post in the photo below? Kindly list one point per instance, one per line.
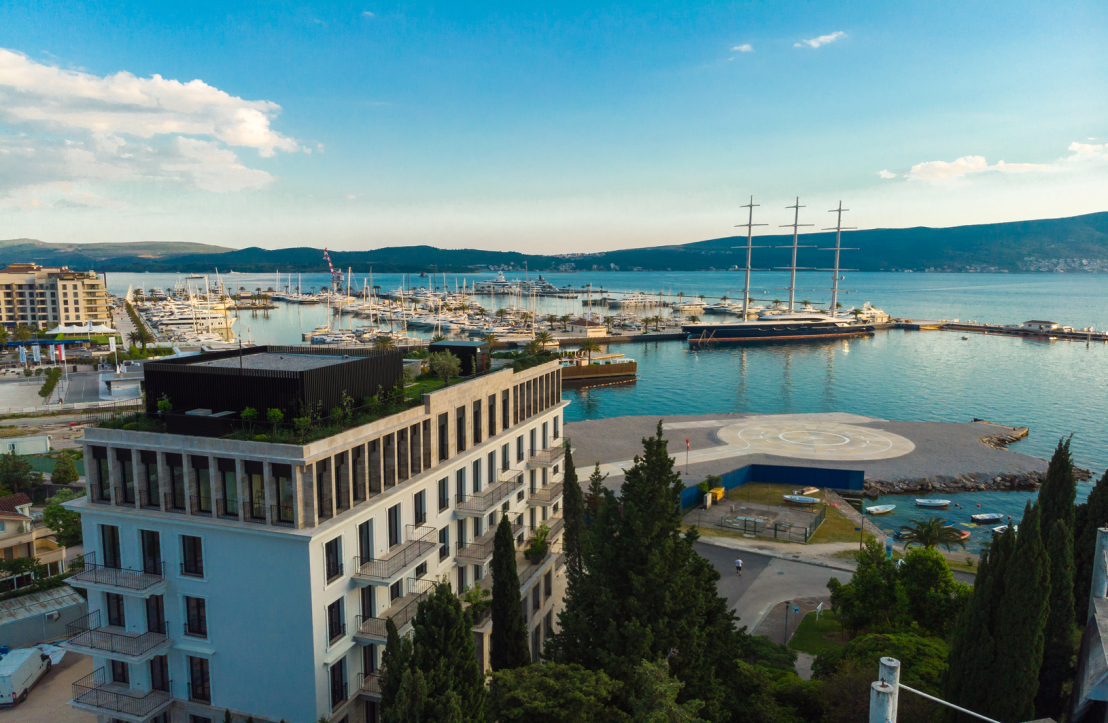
(686, 456)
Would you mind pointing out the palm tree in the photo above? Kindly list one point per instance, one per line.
(565, 318)
(533, 347)
(438, 337)
(134, 337)
(501, 313)
(694, 319)
(384, 343)
(930, 533)
(490, 338)
(589, 346)
(544, 338)
(805, 302)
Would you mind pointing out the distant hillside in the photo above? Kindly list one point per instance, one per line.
(1078, 243)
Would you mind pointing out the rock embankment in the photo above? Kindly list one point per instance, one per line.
(973, 482)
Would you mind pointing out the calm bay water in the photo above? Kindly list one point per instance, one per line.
(1055, 388)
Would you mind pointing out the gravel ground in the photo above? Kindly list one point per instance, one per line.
(942, 448)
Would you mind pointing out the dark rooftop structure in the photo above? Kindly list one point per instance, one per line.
(289, 378)
(473, 354)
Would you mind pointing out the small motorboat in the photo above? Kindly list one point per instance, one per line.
(964, 534)
(1000, 529)
(987, 517)
(808, 492)
(880, 509)
(933, 504)
(801, 499)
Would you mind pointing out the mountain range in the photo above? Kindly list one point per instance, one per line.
(1075, 243)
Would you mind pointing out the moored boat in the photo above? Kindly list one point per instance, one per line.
(880, 509)
(1001, 528)
(801, 499)
(986, 517)
(933, 504)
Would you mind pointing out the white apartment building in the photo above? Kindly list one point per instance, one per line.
(42, 297)
(258, 577)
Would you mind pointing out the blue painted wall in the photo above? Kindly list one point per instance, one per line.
(838, 479)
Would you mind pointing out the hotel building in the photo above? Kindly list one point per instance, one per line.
(256, 576)
(46, 296)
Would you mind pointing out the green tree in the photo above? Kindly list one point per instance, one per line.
(443, 650)
(573, 512)
(384, 343)
(22, 333)
(275, 417)
(596, 491)
(508, 642)
(65, 471)
(590, 347)
(934, 599)
(922, 659)
(874, 599)
(931, 532)
(1089, 517)
(66, 523)
(17, 475)
(655, 699)
(134, 337)
(552, 693)
(969, 677)
(396, 660)
(445, 365)
(1056, 510)
(1021, 622)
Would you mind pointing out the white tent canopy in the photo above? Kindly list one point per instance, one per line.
(88, 328)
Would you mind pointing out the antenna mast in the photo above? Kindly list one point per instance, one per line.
(792, 269)
(749, 226)
(835, 278)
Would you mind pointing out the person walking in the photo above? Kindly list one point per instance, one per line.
(739, 566)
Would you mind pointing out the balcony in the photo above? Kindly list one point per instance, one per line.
(480, 503)
(370, 689)
(547, 494)
(200, 505)
(419, 542)
(87, 636)
(402, 611)
(175, 502)
(547, 457)
(119, 579)
(479, 549)
(282, 515)
(95, 694)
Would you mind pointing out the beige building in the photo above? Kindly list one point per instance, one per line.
(22, 536)
(45, 296)
(587, 328)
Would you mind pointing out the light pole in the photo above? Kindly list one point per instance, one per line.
(788, 604)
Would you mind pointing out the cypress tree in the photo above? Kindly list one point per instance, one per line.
(596, 491)
(968, 675)
(395, 662)
(644, 593)
(1090, 516)
(1056, 516)
(508, 642)
(573, 511)
(1020, 625)
(443, 651)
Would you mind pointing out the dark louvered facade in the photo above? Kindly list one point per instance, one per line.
(262, 383)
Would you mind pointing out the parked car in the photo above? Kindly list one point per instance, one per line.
(19, 671)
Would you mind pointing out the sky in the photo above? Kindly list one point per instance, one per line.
(560, 128)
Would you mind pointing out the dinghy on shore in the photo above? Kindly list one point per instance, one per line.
(880, 509)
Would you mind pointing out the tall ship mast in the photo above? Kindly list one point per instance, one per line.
(789, 325)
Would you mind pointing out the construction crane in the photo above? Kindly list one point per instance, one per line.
(336, 276)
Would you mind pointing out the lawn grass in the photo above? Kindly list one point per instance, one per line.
(837, 527)
(421, 387)
(707, 531)
(818, 637)
(763, 493)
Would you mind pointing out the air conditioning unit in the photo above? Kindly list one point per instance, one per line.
(53, 616)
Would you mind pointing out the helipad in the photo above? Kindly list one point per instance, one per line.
(807, 440)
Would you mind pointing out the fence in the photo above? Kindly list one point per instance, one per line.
(776, 530)
(840, 479)
(74, 407)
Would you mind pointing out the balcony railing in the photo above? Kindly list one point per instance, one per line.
(480, 548)
(556, 525)
(371, 683)
(94, 690)
(175, 502)
(117, 576)
(255, 512)
(122, 497)
(548, 456)
(401, 613)
(508, 481)
(87, 633)
(201, 505)
(549, 493)
(419, 542)
(148, 501)
(227, 508)
(96, 494)
(283, 515)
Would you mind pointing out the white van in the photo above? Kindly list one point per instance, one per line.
(19, 671)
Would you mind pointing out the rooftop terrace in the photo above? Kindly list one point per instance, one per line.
(273, 361)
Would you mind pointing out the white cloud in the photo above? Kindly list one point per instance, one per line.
(368, 14)
(744, 48)
(1087, 148)
(886, 174)
(821, 40)
(82, 127)
(960, 168)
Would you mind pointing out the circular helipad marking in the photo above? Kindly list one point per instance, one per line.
(808, 440)
(814, 439)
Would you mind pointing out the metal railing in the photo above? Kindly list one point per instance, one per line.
(227, 508)
(121, 495)
(93, 691)
(87, 632)
(337, 633)
(201, 693)
(175, 501)
(201, 505)
(480, 548)
(96, 494)
(547, 456)
(144, 500)
(371, 683)
(191, 569)
(334, 572)
(255, 512)
(195, 627)
(377, 627)
(117, 576)
(509, 482)
(547, 493)
(556, 525)
(283, 515)
(419, 542)
(338, 695)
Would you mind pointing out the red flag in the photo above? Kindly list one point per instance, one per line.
(686, 444)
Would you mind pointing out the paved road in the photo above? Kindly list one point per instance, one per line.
(765, 581)
(49, 699)
(83, 387)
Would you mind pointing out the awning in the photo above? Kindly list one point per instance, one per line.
(88, 328)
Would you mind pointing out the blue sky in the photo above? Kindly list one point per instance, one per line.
(541, 128)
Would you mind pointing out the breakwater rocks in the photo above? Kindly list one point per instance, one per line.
(1030, 481)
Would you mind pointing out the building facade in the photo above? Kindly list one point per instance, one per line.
(45, 296)
(22, 535)
(258, 577)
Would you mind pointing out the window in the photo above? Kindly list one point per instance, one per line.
(505, 414)
(365, 541)
(444, 543)
(545, 441)
(548, 623)
(338, 683)
(420, 501)
(151, 552)
(460, 416)
(332, 555)
(462, 584)
(159, 673)
(369, 600)
(477, 422)
(548, 584)
(396, 590)
(505, 457)
(192, 556)
(116, 616)
(121, 672)
(557, 419)
(492, 468)
(369, 659)
(421, 569)
(196, 617)
(476, 475)
(199, 681)
(336, 628)
(536, 599)
(155, 614)
(492, 415)
(460, 484)
(519, 448)
(394, 526)
(533, 435)
(461, 533)
(444, 438)
(444, 493)
(109, 544)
